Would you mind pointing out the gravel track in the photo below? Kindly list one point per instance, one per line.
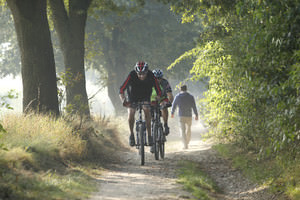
(128, 180)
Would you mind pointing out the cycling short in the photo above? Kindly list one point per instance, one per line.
(161, 100)
(134, 105)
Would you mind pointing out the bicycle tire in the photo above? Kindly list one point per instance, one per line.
(142, 143)
(156, 142)
(161, 142)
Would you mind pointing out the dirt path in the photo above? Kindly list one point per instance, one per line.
(157, 179)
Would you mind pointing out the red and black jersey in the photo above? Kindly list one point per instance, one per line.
(140, 90)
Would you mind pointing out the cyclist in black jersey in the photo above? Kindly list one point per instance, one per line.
(138, 86)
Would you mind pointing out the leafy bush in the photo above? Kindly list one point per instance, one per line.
(250, 51)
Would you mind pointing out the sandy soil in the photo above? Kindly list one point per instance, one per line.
(128, 180)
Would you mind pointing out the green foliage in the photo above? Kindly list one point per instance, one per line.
(2, 131)
(76, 108)
(250, 53)
(151, 32)
(4, 100)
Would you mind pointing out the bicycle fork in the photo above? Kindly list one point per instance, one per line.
(140, 125)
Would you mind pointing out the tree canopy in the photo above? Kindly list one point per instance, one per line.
(150, 32)
(250, 52)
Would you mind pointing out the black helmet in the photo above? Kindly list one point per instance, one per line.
(158, 73)
(141, 67)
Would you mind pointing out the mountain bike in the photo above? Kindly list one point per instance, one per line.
(140, 125)
(158, 135)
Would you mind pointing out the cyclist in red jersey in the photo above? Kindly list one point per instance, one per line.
(138, 86)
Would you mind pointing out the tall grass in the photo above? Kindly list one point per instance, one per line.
(42, 134)
(36, 159)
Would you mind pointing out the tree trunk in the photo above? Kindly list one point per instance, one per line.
(113, 84)
(70, 28)
(38, 66)
(115, 60)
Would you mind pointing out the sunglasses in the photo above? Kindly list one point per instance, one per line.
(141, 73)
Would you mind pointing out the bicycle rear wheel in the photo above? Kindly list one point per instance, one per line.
(155, 142)
(161, 142)
(141, 130)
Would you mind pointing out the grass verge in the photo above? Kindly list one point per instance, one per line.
(281, 176)
(196, 182)
(42, 157)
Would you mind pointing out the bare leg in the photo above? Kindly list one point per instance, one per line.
(165, 115)
(131, 112)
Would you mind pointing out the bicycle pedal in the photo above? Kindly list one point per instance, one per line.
(151, 150)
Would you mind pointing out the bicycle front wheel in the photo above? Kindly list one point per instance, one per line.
(161, 142)
(141, 130)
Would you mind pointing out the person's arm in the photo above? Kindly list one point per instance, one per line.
(174, 106)
(168, 90)
(170, 96)
(122, 97)
(156, 86)
(194, 108)
(123, 88)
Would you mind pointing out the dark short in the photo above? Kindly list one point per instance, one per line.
(135, 100)
(146, 104)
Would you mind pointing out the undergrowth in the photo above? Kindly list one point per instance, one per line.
(43, 157)
(281, 175)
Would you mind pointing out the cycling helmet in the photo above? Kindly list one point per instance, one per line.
(141, 67)
(158, 73)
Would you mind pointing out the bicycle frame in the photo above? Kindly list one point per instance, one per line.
(141, 131)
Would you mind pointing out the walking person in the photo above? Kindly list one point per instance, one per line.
(186, 104)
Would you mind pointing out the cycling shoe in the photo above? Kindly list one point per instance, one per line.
(167, 130)
(152, 149)
(131, 140)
